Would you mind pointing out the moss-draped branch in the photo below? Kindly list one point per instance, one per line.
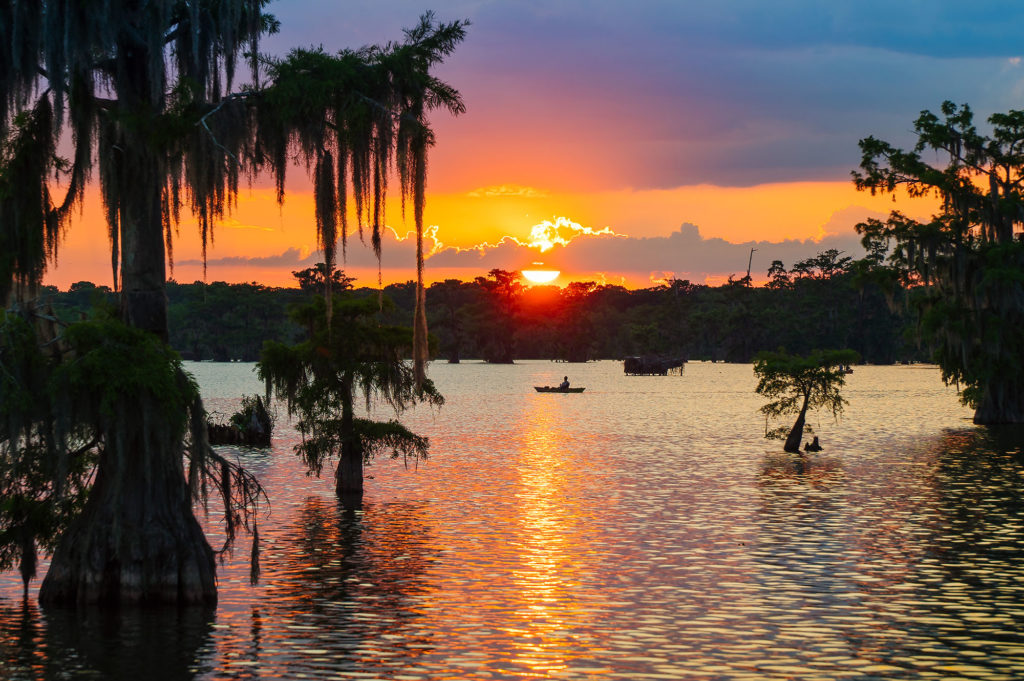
(963, 266)
(351, 118)
(352, 354)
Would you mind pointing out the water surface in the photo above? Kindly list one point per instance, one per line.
(644, 529)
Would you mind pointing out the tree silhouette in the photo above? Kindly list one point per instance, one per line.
(798, 384)
(962, 267)
(314, 279)
(498, 322)
(346, 353)
(143, 90)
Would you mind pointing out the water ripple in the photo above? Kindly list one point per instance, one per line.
(642, 530)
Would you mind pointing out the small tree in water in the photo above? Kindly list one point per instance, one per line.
(319, 379)
(798, 384)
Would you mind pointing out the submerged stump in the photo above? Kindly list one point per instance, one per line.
(249, 427)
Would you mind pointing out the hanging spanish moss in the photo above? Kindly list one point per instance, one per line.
(29, 220)
(356, 116)
(143, 88)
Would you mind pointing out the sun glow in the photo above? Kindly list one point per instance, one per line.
(540, 276)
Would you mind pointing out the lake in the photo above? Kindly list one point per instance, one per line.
(644, 529)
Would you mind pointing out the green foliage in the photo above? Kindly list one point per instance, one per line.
(229, 321)
(252, 411)
(314, 279)
(797, 383)
(114, 364)
(963, 266)
(71, 397)
(860, 307)
(320, 378)
(42, 486)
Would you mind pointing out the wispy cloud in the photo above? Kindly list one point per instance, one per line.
(504, 190)
(289, 258)
(234, 223)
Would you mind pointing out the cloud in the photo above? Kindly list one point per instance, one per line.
(397, 252)
(583, 95)
(508, 190)
(684, 254)
(289, 258)
(688, 255)
(581, 252)
(233, 223)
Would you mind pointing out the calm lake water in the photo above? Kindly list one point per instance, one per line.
(644, 529)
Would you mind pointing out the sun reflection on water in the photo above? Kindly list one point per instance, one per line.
(545, 555)
(641, 530)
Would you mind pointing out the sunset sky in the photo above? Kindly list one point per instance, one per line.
(646, 139)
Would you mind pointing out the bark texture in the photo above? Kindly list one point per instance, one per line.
(137, 540)
(348, 476)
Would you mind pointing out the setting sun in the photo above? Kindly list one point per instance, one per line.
(540, 276)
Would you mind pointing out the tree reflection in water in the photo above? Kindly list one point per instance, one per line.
(149, 643)
(341, 589)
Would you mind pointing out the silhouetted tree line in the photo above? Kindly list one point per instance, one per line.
(825, 302)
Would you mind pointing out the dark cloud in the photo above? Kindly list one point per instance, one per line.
(688, 255)
(396, 253)
(291, 257)
(664, 93)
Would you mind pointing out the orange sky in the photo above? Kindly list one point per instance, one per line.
(701, 135)
(264, 242)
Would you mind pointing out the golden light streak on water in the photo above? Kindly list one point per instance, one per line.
(641, 530)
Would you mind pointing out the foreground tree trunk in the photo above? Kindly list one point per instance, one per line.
(143, 268)
(137, 540)
(796, 433)
(1002, 402)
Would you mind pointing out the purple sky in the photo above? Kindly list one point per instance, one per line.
(725, 92)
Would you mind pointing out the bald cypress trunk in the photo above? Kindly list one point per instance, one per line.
(137, 539)
(796, 433)
(1002, 402)
(349, 475)
(143, 268)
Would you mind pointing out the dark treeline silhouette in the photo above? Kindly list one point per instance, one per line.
(825, 302)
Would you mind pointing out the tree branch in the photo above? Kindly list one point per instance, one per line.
(220, 105)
